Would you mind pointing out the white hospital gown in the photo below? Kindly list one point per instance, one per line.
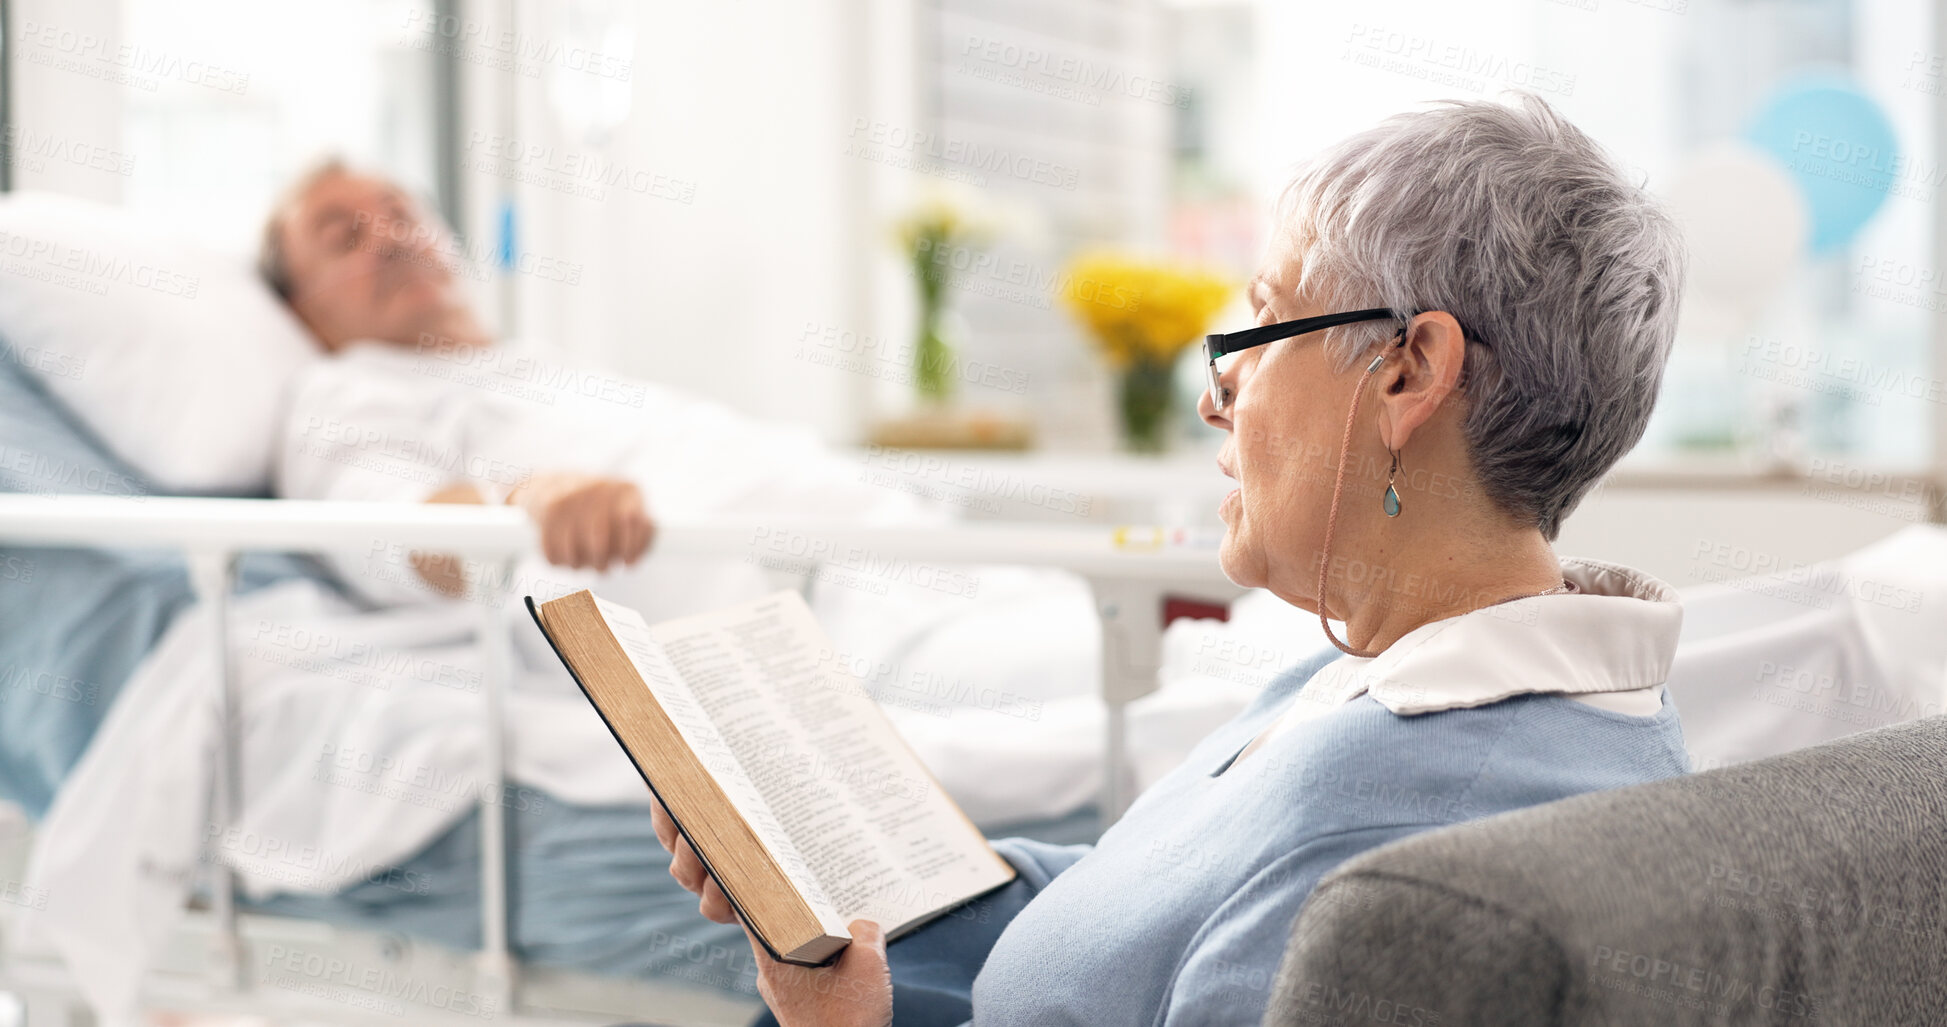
(386, 423)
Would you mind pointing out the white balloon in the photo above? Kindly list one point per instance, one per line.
(1745, 221)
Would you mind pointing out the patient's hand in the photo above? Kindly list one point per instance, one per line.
(586, 521)
(446, 573)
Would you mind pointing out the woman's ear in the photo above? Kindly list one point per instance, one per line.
(1421, 371)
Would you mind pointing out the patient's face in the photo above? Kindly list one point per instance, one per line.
(1286, 420)
(367, 263)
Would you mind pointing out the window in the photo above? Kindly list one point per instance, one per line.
(1830, 360)
(227, 100)
(1061, 113)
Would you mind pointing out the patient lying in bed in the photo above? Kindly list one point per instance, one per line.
(420, 403)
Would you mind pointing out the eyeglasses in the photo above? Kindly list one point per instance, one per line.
(1218, 346)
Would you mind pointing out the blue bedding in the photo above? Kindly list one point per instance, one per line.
(589, 889)
(75, 622)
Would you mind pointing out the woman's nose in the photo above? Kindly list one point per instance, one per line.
(1207, 409)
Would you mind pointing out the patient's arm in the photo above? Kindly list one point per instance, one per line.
(585, 521)
(443, 571)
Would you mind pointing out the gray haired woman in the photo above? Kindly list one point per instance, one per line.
(1462, 324)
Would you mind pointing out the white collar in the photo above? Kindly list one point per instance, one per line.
(1616, 633)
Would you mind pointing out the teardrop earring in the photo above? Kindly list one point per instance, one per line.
(1391, 499)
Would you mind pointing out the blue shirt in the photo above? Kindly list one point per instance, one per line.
(1180, 914)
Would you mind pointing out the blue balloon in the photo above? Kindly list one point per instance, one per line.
(1840, 148)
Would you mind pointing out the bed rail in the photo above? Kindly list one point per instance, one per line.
(1131, 572)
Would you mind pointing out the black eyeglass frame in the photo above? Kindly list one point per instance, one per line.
(1215, 346)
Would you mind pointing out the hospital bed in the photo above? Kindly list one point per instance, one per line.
(82, 377)
(1131, 573)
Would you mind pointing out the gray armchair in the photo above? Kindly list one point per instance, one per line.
(1809, 888)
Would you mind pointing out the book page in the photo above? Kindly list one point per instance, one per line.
(883, 841)
(693, 719)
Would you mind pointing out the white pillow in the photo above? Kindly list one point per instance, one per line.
(175, 355)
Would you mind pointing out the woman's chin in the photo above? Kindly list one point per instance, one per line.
(1235, 559)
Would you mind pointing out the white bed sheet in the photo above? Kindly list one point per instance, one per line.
(1777, 662)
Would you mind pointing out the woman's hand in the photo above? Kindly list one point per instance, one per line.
(855, 991)
(688, 870)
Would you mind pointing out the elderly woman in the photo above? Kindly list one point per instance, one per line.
(1462, 323)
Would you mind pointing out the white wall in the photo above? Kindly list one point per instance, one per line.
(760, 104)
(748, 104)
(52, 101)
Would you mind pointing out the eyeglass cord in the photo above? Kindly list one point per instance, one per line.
(1332, 519)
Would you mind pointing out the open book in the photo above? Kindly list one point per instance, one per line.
(795, 791)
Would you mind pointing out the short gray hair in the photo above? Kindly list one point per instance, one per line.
(1516, 223)
(272, 264)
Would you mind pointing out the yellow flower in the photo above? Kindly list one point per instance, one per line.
(1139, 310)
(944, 217)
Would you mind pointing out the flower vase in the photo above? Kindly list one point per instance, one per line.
(1145, 396)
(933, 358)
